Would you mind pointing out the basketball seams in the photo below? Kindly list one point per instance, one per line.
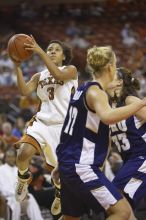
(11, 47)
(16, 48)
(19, 55)
(19, 38)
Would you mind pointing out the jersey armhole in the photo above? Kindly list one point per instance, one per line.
(84, 98)
(86, 105)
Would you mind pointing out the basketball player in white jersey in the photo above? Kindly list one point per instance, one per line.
(54, 86)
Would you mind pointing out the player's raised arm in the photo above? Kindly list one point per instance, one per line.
(55, 51)
(25, 88)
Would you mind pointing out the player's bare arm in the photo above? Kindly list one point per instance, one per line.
(68, 73)
(141, 114)
(26, 88)
(98, 101)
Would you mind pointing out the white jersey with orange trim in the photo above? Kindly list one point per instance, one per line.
(43, 131)
(54, 96)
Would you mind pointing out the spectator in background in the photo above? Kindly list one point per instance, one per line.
(72, 30)
(79, 42)
(96, 10)
(7, 76)
(41, 186)
(5, 61)
(8, 172)
(19, 127)
(30, 103)
(7, 134)
(3, 148)
(27, 10)
(130, 38)
(2, 120)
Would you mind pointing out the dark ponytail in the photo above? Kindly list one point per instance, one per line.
(131, 85)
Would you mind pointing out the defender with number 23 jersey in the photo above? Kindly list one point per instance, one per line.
(130, 138)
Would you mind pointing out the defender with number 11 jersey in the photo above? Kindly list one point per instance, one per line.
(81, 154)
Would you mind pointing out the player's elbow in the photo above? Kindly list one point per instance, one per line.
(110, 122)
(24, 92)
(143, 118)
(58, 77)
(106, 119)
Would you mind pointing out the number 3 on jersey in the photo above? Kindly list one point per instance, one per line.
(71, 121)
(50, 90)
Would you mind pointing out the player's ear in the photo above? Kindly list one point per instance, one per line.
(120, 81)
(64, 58)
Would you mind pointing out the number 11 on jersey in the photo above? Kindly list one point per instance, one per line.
(72, 118)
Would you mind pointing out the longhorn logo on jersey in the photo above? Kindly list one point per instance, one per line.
(50, 80)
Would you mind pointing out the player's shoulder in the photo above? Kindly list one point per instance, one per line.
(95, 92)
(131, 99)
(36, 76)
(70, 67)
(95, 88)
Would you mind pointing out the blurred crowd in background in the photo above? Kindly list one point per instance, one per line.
(119, 23)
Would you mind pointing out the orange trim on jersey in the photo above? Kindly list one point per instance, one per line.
(39, 106)
(29, 140)
(48, 167)
(30, 123)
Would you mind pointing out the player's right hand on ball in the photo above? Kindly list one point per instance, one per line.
(33, 46)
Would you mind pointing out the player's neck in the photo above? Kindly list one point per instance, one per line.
(103, 81)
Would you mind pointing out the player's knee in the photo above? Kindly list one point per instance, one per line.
(122, 215)
(125, 215)
(116, 210)
(25, 152)
(126, 210)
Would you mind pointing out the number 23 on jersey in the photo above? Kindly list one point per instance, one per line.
(120, 138)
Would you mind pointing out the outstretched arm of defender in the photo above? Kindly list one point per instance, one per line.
(98, 101)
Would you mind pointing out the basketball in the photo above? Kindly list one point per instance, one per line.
(16, 47)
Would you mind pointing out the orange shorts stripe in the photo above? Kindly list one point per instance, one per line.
(29, 140)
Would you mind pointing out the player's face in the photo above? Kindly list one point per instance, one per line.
(115, 87)
(118, 87)
(55, 53)
(112, 69)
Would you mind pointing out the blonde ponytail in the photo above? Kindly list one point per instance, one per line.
(99, 57)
